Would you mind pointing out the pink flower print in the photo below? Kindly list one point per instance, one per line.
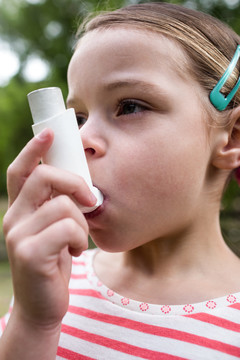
(144, 306)
(188, 308)
(211, 304)
(110, 293)
(125, 301)
(99, 283)
(232, 299)
(166, 309)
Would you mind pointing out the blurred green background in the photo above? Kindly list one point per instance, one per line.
(36, 42)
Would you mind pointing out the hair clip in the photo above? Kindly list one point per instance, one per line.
(219, 100)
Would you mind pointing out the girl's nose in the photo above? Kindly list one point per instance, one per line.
(93, 142)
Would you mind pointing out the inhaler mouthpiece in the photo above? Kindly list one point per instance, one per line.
(67, 152)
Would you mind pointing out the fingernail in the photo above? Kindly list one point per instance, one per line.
(43, 135)
(93, 198)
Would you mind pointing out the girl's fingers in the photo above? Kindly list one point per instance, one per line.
(51, 181)
(50, 212)
(69, 234)
(44, 182)
(58, 236)
(26, 161)
(41, 268)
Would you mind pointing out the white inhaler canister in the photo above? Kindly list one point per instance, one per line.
(67, 152)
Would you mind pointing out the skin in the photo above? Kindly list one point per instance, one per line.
(162, 190)
(161, 170)
(135, 149)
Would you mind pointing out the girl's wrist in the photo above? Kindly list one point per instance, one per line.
(25, 339)
(34, 324)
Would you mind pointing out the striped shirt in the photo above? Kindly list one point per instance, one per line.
(101, 324)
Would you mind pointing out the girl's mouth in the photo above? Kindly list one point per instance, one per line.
(96, 212)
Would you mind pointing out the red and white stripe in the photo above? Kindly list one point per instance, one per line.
(103, 325)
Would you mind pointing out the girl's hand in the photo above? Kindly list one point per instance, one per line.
(42, 231)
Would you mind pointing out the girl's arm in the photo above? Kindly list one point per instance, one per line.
(22, 340)
(43, 227)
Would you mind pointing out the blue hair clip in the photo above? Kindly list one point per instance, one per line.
(219, 100)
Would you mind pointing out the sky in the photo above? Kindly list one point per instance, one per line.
(34, 70)
(9, 63)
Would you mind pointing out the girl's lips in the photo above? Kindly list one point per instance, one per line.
(96, 212)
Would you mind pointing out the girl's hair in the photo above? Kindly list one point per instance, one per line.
(208, 43)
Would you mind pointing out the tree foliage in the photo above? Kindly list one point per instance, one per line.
(44, 29)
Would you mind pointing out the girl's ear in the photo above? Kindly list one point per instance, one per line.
(227, 152)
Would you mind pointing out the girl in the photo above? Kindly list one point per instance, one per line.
(162, 283)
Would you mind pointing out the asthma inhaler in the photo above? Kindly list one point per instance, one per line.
(67, 152)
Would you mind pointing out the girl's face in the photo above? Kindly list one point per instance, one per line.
(144, 135)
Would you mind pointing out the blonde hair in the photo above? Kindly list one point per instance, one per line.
(208, 43)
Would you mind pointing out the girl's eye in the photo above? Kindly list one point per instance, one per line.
(127, 107)
(81, 119)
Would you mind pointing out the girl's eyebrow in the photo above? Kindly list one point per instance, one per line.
(143, 86)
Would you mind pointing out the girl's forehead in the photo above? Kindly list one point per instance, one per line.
(132, 60)
(131, 44)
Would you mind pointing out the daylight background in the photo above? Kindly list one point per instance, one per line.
(36, 42)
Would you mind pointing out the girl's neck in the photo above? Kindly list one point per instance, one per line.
(186, 269)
